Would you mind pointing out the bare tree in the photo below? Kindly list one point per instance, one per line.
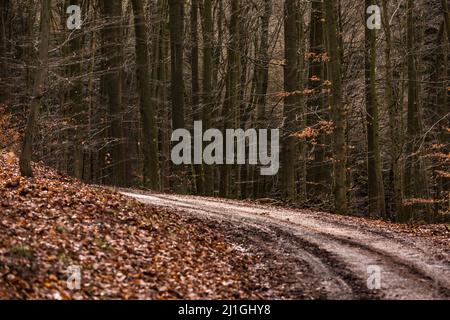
(38, 90)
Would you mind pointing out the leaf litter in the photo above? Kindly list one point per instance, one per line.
(123, 249)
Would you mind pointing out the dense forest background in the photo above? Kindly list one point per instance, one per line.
(364, 112)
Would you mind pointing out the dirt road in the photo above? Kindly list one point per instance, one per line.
(321, 255)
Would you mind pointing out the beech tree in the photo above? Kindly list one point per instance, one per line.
(316, 111)
(230, 110)
(375, 177)
(176, 23)
(338, 112)
(291, 100)
(38, 90)
(148, 109)
(112, 81)
(207, 94)
(363, 111)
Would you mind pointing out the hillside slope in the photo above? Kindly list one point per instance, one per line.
(124, 249)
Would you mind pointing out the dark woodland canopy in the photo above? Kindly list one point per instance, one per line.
(363, 112)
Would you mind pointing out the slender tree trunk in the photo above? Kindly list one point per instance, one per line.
(394, 116)
(446, 18)
(291, 101)
(231, 105)
(4, 40)
(160, 54)
(412, 122)
(196, 108)
(91, 170)
(262, 83)
(444, 182)
(77, 113)
(217, 48)
(415, 184)
(176, 25)
(38, 90)
(376, 189)
(147, 105)
(301, 179)
(195, 81)
(316, 111)
(112, 38)
(176, 29)
(240, 172)
(338, 113)
(207, 84)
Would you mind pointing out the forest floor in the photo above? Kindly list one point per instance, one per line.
(324, 256)
(159, 246)
(124, 249)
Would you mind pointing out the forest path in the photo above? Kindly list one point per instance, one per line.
(330, 256)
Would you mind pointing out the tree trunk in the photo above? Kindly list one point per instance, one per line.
(160, 54)
(176, 25)
(446, 18)
(147, 105)
(176, 29)
(77, 113)
(415, 180)
(207, 85)
(291, 102)
(112, 38)
(394, 117)
(4, 41)
(38, 90)
(302, 182)
(230, 110)
(375, 183)
(196, 108)
(262, 82)
(338, 113)
(316, 111)
(444, 181)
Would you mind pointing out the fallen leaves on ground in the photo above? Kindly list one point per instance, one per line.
(124, 249)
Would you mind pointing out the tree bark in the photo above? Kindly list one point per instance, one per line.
(147, 105)
(375, 183)
(394, 117)
(176, 25)
(316, 111)
(338, 113)
(262, 82)
(195, 83)
(4, 40)
(291, 102)
(207, 84)
(230, 110)
(112, 39)
(446, 18)
(38, 90)
(415, 184)
(176, 30)
(160, 73)
(77, 113)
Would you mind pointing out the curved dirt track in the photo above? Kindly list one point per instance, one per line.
(321, 255)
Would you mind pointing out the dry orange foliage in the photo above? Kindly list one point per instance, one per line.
(7, 135)
(309, 133)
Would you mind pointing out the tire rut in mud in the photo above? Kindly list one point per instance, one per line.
(297, 269)
(305, 262)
